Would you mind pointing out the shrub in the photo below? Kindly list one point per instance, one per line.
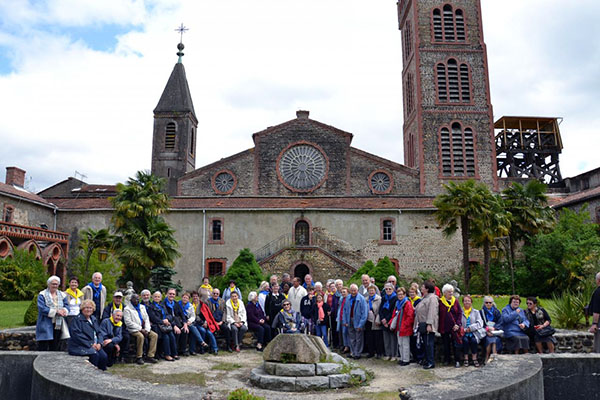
(242, 394)
(245, 271)
(382, 271)
(31, 314)
(110, 270)
(21, 276)
(567, 309)
(161, 278)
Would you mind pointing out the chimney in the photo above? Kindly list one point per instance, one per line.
(302, 114)
(15, 176)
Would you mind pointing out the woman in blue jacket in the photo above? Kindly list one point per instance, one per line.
(515, 323)
(51, 324)
(86, 339)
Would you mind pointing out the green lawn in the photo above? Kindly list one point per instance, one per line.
(11, 313)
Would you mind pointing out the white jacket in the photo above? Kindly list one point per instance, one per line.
(295, 296)
(132, 319)
(241, 312)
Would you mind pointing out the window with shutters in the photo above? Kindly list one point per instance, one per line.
(457, 151)
(170, 135)
(215, 231)
(453, 82)
(448, 24)
(193, 142)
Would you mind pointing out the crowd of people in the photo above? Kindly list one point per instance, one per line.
(398, 324)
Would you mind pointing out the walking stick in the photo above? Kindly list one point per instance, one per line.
(329, 334)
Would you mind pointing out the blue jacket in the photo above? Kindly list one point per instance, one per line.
(44, 329)
(360, 311)
(511, 320)
(227, 293)
(109, 331)
(83, 336)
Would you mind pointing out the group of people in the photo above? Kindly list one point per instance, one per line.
(398, 324)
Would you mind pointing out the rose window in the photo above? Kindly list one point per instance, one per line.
(224, 182)
(380, 182)
(302, 167)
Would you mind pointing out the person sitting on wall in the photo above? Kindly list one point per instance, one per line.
(236, 320)
(117, 304)
(161, 325)
(492, 321)
(288, 320)
(178, 320)
(86, 338)
(138, 323)
(111, 330)
(539, 322)
(257, 322)
(515, 324)
(195, 337)
(74, 297)
(51, 324)
(97, 293)
(217, 307)
(230, 289)
(205, 322)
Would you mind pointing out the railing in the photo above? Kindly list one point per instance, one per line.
(282, 242)
(29, 232)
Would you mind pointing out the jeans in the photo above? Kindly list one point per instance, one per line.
(469, 342)
(99, 359)
(169, 344)
(322, 333)
(263, 334)
(429, 344)
(208, 337)
(195, 337)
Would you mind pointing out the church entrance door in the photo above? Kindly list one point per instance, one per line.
(301, 233)
(301, 271)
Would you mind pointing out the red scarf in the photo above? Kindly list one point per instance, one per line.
(321, 312)
(210, 320)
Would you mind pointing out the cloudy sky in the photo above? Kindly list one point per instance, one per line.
(79, 78)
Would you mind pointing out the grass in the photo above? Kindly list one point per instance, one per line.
(142, 373)
(12, 313)
(225, 366)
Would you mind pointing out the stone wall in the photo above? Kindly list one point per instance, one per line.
(28, 213)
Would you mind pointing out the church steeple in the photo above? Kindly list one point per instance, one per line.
(175, 124)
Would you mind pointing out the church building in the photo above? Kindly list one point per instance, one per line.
(303, 200)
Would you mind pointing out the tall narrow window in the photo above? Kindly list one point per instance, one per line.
(407, 39)
(448, 24)
(301, 233)
(215, 231)
(437, 25)
(460, 26)
(387, 235)
(409, 88)
(192, 142)
(453, 82)
(457, 151)
(170, 136)
(8, 214)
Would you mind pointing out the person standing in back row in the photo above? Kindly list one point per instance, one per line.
(595, 311)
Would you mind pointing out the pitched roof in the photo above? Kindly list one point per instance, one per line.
(244, 203)
(176, 96)
(579, 197)
(302, 121)
(22, 193)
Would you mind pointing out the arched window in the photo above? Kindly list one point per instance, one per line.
(453, 82)
(448, 24)
(302, 233)
(170, 136)
(457, 151)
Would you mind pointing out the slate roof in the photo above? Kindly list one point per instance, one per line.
(578, 197)
(245, 203)
(176, 96)
(19, 192)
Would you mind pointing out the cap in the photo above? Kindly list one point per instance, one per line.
(118, 294)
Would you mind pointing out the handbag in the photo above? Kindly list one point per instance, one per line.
(166, 328)
(546, 331)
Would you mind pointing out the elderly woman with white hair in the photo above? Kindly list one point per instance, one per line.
(86, 338)
(257, 321)
(263, 291)
(53, 308)
(492, 323)
(450, 322)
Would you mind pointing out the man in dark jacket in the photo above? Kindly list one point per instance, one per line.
(306, 310)
(111, 331)
(178, 319)
(117, 304)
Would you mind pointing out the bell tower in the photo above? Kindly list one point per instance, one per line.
(175, 125)
(448, 119)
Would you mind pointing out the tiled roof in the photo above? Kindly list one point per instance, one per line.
(97, 189)
(15, 191)
(241, 203)
(578, 197)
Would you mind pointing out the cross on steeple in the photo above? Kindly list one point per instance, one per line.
(181, 29)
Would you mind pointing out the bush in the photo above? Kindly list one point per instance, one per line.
(382, 271)
(567, 309)
(161, 278)
(21, 276)
(110, 270)
(31, 314)
(245, 271)
(243, 394)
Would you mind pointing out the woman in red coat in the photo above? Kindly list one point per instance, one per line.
(404, 316)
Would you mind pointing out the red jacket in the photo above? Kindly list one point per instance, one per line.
(208, 316)
(405, 327)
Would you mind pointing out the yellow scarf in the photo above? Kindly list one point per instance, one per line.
(194, 305)
(468, 312)
(235, 307)
(207, 287)
(76, 294)
(451, 302)
(412, 301)
(113, 322)
(118, 308)
(285, 295)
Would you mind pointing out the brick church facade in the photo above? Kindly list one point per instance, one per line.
(303, 199)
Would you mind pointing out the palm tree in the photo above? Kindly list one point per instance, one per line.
(460, 206)
(91, 240)
(529, 211)
(143, 239)
(495, 222)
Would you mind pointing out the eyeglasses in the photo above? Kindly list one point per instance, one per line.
(488, 302)
(529, 303)
(287, 305)
(389, 288)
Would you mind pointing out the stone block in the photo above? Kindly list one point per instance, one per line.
(359, 373)
(283, 383)
(255, 376)
(298, 346)
(335, 357)
(312, 383)
(328, 368)
(269, 367)
(338, 381)
(295, 369)
(318, 342)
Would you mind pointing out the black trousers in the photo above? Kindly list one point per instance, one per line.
(448, 343)
(50, 345)
(373, 340)
(111, 353)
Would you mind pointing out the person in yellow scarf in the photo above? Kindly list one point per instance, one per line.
(112, 332)
(450, 319)
(74, 297)
(205, 290)
(116, 304)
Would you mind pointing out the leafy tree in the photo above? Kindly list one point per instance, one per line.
(492, 223)
(460, 207)
(529, 211)
(143, 239)
(245, 271)
(90, 241)
(83, 268)
(563, 259)
(21, 276)
(366, 268)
